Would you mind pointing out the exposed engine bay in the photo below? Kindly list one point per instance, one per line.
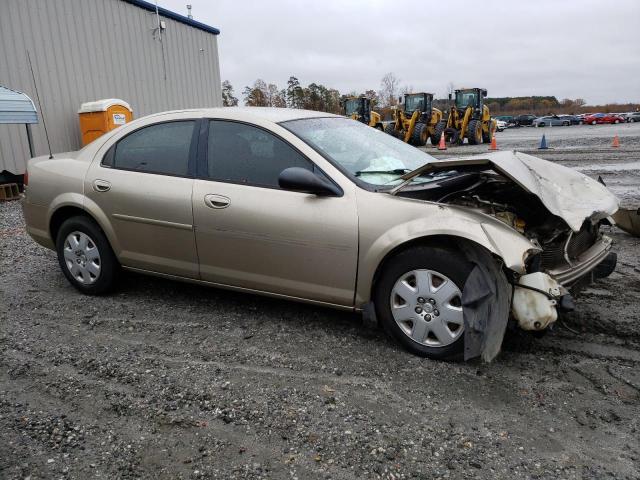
(495, 195)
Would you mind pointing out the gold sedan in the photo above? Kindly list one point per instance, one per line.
(320, 208)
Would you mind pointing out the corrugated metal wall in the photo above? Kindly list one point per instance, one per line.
(87, 50)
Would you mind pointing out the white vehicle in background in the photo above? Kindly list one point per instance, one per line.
(500, 125)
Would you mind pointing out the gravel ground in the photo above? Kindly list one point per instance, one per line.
(170, 380)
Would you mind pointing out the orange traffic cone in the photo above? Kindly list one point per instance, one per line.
(616, 142)
(442, 145)
(494, 144)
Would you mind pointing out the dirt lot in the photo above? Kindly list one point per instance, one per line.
(170, 380)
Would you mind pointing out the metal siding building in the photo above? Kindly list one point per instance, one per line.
(87, 50)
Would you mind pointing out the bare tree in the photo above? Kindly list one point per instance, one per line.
(451, 88)
(389, 90)
(407, 89)
(275, 98)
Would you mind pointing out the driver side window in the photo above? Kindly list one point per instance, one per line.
(242, 153)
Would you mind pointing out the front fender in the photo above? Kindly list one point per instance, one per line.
(438, 220)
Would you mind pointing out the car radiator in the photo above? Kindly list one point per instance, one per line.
(555, 254)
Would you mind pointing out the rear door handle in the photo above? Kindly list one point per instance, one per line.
(216, 201)
(101, 185)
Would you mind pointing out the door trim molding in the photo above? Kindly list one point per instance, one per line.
(152, 221)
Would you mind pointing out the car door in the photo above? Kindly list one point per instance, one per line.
(252, 234)
(142, 186)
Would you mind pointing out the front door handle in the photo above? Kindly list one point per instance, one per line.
(101, 185)
(216, 201)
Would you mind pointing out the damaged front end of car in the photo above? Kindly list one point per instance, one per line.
(558, 210)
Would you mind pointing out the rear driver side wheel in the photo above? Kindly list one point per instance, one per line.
(418, 300)
(85, 256)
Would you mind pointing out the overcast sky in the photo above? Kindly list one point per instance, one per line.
(571, 49)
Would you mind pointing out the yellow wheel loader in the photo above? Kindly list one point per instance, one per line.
(415, 120)
(468, 118)
(359, 108)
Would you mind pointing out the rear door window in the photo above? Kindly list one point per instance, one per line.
(163, 148)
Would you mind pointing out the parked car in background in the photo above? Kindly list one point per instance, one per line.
(573, 119)
(500, 125)
(320, 208)
(633, 117)
(524, 120)
(509, 120)
(599, 118)
(505, 118)
(551, 121)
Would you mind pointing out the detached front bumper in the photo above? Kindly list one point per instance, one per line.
(585, 263)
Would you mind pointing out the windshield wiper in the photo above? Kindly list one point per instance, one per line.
(397, 171)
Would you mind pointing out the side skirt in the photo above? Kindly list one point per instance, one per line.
(242, 289)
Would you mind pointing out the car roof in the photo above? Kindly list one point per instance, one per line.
(269, 114)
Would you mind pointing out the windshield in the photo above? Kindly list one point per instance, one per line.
(372, 156)
(352, 106)
(465, 99)
(414, 102)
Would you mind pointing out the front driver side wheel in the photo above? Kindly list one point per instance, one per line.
(85, 256)
(418, 300)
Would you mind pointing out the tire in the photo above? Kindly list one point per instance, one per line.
(565, 124)
(85, 256)
(436, 337)
(580, 122)
(616, 121)
(419, 135)
(474, 132)
(380, 127)
(486, 137)
(437, 132)
(390, 129)
(541, 124)
(594, 122)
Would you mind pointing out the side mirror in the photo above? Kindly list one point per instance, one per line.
(302, 180)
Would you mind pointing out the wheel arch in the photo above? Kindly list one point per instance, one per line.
(61, 214)
(66, 210)
(494, 237)
(444, 241)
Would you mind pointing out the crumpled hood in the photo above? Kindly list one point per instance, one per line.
(565, 192)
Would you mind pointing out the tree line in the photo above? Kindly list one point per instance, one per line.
(318, 97)
(314, 96)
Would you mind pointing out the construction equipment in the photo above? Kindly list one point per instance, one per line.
(359, 108)
(468, 118)
(415, 121)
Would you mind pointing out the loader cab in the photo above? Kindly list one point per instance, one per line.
(468, 98)
(471, 97)
(357, 108)
(417, 101)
